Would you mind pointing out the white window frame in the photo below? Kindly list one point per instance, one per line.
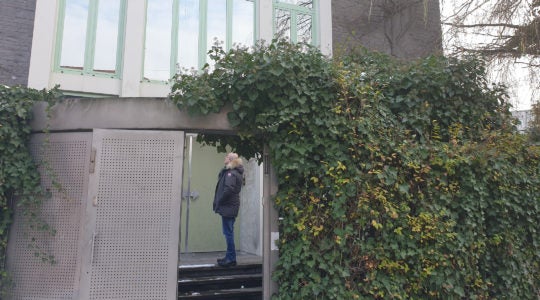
(129, 83)
(90, 42)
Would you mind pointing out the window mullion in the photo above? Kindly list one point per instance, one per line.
(293, 7)
(203, 27)
(256, 20)
(90, 37)
(59, 34)
(120, 38)
(315, 24)
(203, 15)
(294, 27)
(229, 18)
(174, 68)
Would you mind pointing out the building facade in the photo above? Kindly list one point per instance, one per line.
(406, 29)
(138, 183)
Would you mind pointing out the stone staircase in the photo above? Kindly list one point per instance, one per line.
(242, 282)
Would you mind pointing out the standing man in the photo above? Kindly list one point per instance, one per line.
(227, 203)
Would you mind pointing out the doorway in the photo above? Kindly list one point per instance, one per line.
(200, 226)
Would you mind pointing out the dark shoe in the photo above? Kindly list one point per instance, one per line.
(219, 260)
(227, 263)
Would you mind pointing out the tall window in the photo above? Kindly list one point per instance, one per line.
(294, 20)
(158, 39)
(179, 33)
(90, 34)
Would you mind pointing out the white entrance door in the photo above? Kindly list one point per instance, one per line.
(130, 241)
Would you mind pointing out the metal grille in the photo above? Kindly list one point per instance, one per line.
(135, 240)
(67, 155)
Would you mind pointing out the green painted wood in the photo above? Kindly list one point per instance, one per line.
(205, 234)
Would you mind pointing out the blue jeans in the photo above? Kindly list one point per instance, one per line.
(228, 231)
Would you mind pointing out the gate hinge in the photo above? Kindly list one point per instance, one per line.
(92, 160)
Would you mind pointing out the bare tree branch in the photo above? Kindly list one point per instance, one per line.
(483, 25)
(505, 32)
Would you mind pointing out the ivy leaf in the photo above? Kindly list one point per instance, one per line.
(404, 188)
(234, 119)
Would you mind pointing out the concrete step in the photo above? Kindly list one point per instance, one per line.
(241, 282)
(254, 293)
(214, 270)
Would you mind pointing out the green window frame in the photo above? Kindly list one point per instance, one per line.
(203, 45)
(296, 12)
(89, 64)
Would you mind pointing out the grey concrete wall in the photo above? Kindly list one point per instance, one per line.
(16, 29)
(251, 210)
(403, 28)
(124, 113)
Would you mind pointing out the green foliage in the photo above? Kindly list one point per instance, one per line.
(446, 91)
(19, 178)
(396, 180)
(268, 91)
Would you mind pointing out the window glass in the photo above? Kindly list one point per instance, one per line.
(283, 24)
(303, 3)
(90, 36)
(188, 34)
(216, 22)
(157, 49)
(304, 27)
(74, 34)
(243, 16)
(108, 18)
(225, 22)
(294, 20)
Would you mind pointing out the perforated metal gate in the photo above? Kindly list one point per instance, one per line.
(117, 219)
(66, 155)
(134, 215)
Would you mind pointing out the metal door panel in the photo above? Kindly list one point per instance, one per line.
(133, 213)
(65, 156)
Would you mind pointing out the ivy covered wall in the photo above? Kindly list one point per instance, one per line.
(396, 180)
(19, 179)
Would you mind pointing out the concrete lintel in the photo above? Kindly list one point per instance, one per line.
(125, 113)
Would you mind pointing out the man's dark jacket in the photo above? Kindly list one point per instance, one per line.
(227, 194)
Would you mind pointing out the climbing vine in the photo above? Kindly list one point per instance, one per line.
(19, 178)
(397, 180)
